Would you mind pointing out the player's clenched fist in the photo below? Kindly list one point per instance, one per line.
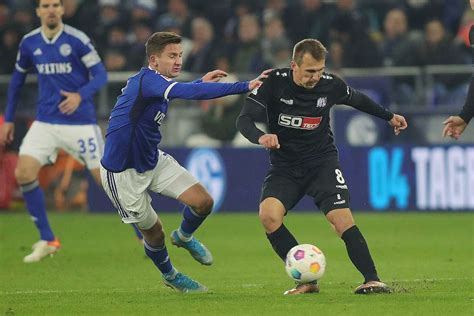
(269, 141)
(398, 123)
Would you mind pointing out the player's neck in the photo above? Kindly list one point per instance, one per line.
(51, 33)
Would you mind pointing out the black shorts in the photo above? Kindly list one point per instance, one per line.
(323, 181)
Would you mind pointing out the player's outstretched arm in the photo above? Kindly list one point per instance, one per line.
(398, 123)
(201, 90)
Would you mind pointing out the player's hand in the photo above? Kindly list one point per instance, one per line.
(214, 76)
(269, 141)
(70, 103)
(8, 133)
(398, 123)
(454, 126)
(257, 82)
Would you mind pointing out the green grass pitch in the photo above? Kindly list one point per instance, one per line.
(427, 258)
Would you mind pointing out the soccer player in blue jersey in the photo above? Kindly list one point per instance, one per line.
(132, 163)
(69, 73)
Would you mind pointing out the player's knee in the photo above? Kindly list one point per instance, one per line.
(269, 219)
(24, 175)
(205, 204)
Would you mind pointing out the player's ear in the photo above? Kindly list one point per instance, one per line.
(293, 65)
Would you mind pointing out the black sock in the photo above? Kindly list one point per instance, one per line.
(359, 253)
(282, 241)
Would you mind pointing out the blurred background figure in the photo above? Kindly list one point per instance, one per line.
(202, 55)
(217, 120)
(247, 51)
(438, 48)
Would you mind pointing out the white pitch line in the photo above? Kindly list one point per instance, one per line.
(248, 285)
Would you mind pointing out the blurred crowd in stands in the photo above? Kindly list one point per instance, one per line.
(247, 36)
(252, 35)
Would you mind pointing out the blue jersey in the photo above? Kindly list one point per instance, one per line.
(65, 62)
(133, 134)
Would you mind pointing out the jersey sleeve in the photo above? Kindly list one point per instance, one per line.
(87, 51)
(23, 58)
(261, 95)
(342, 91)
(156, 85)
(467, 111)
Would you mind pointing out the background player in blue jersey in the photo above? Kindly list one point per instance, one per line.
(69, 73)
(132, 163)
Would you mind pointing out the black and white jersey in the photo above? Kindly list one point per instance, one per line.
(300, 116)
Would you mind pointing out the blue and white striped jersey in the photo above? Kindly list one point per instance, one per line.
(133, 134)
(66, 62)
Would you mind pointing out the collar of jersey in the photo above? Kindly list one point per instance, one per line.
(55, 38)
(297, 87)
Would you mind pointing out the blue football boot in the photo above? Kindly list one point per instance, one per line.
(195, 248)
(184, 284)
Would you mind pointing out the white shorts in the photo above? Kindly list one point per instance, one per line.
(128, 189)
(83, 142)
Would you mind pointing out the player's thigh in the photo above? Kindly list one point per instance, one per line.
(283, 185)
(128, 192)
(83, 142)
(327, 187)
(170, 178)
(41, 143)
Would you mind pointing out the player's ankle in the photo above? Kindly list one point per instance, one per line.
(183, 235)
(170, 275)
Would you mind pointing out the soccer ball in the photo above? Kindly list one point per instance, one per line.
(305, 263)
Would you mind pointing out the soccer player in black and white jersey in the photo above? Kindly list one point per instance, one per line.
(304, 160)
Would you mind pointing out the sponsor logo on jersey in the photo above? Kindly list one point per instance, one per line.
(342, 186)
(289, 102)
(339, 202)
(54, 68)
(37, 52)
(321, 102)
(159, 117)
(65, 49)
(299, 122)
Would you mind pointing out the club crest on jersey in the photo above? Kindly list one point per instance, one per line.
(299, 122)
(65, 49)
(322, 102)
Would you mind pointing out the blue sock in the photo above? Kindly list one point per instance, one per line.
(159, 256)
(191, 221)
(36, 206)
(137, 232)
